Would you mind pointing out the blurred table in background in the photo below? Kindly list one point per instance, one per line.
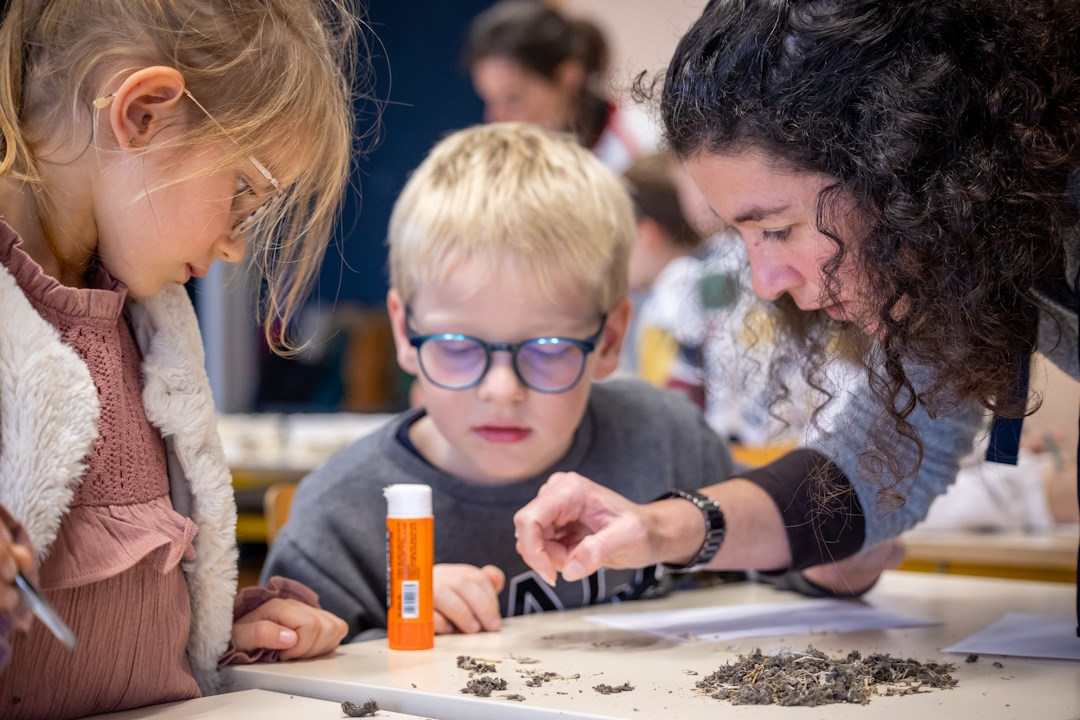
(1012, 554)
(264, 449)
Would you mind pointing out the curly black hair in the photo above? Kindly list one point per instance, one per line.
(953, 125)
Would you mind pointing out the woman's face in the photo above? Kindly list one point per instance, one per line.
(775, 210)
(512, 93)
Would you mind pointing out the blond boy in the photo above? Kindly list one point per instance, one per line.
(508, 263)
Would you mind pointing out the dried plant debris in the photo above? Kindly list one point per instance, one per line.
(612, 689)
(368, 709)
(475, 666)
(524, 660)
(811, 678)
(515, 697)
(539, 677)
(484, 686)
(971, 658)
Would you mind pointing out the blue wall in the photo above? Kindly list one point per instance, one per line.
(419, 70)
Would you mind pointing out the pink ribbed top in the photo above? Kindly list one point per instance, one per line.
(113, 571)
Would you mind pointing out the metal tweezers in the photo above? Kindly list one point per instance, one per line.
(43, 611)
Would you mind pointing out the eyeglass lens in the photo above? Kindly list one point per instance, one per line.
(544, 364)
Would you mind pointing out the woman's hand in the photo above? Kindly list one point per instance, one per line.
(466, 598)
(296, 629)
(13, 558)
(860, 572)
(575, 526)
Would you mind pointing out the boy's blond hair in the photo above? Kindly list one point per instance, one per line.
(513, 192)
(277, 76)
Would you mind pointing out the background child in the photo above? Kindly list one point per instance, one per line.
(665, 272)
(143, 141)
(504, 239)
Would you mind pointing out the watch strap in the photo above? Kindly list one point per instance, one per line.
(715, 528)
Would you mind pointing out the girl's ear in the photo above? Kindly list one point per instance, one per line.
(143, 103)
(406, 353)
(612, 340)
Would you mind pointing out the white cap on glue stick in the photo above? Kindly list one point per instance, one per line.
(408, 500)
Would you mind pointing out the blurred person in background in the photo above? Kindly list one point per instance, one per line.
(530, 63)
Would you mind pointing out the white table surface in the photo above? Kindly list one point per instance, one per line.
(244, 705)
(429, 682)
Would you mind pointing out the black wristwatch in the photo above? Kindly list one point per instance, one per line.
(714, 529)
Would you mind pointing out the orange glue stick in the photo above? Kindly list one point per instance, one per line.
(410, 551)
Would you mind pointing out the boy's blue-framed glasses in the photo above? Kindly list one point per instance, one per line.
(453, 361)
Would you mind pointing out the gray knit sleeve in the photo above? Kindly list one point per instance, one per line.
(946, 437)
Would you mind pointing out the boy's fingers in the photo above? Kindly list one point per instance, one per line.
(454, 608)
(483, 603)
(495, 576)
(442, 625)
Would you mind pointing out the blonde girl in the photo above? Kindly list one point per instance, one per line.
(143, 140)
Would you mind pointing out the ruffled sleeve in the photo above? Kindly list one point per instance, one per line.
(96, 542)
(251, 598)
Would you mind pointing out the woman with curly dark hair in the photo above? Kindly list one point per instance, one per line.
(905, 179)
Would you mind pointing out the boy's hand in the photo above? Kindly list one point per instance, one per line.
(13, 557)
(296, 629)
(466, 598)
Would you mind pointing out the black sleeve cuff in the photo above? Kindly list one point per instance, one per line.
(821, 512)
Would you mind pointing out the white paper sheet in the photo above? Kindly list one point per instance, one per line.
(1025, 635)
(799, 617)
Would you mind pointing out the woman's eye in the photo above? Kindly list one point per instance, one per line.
(776, 235)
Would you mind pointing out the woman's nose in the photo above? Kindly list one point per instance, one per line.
(770, 274)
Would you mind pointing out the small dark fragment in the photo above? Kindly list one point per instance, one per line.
(474, 666)
(515, 697)
(540, 678)
(998, 665)
(484, 686)
(605, 689)
(368, 709)
(972, 658)
(811, 678)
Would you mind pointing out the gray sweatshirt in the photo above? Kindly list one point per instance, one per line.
(633, 438)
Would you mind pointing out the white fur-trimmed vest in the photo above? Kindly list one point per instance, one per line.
(48, 420)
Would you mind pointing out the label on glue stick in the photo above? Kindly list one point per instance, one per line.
(410, 550)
